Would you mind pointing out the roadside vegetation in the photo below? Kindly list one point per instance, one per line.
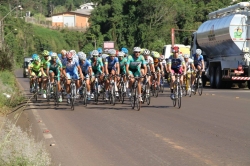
(19, 148)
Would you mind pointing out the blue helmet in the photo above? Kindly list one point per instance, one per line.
(125, 50)
(99, 50)
(50, 53)
(59, 56)
(34, 55)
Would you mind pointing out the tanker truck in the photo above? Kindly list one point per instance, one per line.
(225, 41)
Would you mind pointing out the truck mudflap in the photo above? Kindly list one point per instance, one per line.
(241, 78)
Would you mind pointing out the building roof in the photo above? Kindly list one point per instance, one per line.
(86, 12)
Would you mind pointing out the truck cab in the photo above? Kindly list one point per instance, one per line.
(27, 61)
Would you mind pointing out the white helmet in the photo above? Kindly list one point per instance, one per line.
(112, 52)
(198, 51)
(146, 52)
(82, 55)
(94, 53)
(137, 49)
(121, 54)
(186, 56)
(54, 54)
(73, 52)
(104, 56)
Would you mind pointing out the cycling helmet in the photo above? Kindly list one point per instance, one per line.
(36, 58)
(104, 56)
(50, 53)
(155, 54)
(121, 54)
(59, 56)
(146, 52)
(125, 50)
(69, 55)
(53, 55)
(142, 50)
(63, 52)
(198, 51)
(175, 49)
(162, 57)
(186, 56)
(34, 55)
(112, 52)
(73, 52)
(99, 50)
(94, 53)
(45, 53)
(137, 49)
(82, 56)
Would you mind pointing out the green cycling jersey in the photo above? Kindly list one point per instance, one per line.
(123, 64)
(96, 67)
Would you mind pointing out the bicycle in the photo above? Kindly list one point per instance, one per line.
(134, 95)
(72, 93)
(55, 91)
(48, 89)
(146, 93)
(121, 89)
(112, 97)
(177, 90)
(155, 87)
(35, 87)
(96, 93)
(162, 81)
(198, 84)
(84, 92)
(188, 82)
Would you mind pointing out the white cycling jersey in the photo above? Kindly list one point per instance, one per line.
(188, 64)
(149, 60)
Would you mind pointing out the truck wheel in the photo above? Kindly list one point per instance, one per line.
(248, 84)
(204, 80)
(218, 78)
(212, 77)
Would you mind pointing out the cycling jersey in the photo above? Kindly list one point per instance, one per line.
(156, 61)
(111, 63)
(135, 64)
(71, 69)
(123, 64)
(197, 60)
(55, 67)
(149, 60)
(96, 66)
(44, 62)
(85, 66)
(188, 65)
(35, 68)
(176, 63)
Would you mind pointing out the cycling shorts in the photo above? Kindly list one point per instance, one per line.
(72, 75)
(36, 73)
(135, 72)
(177, 71)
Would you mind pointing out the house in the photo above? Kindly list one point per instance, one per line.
(72, 19)
(88, 6)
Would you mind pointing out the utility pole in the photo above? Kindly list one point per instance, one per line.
(1, 35)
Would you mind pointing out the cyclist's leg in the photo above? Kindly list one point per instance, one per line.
(68, 80)
(138, 74)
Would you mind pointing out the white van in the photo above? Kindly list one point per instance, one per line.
(167, 51)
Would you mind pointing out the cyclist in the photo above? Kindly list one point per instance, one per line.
(198, 62)
(75, 56)
(97, 67)
(125, 50)
(176, 65)
(44, 63)
(70, 71)
(111, 67)
(86, 70)
(100, 51)
(63, 58)
(122, 63)
(35, 71)
(54, 67)
(149, 64)
(157, 65)
(133, 69)
(189, 67)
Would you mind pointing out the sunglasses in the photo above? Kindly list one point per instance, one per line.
(95, 56)
(112, 56)
(137, 52)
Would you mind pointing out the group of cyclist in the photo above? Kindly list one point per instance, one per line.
(142, 64)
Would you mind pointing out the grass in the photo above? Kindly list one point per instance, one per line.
(8, 86)
(18, 148)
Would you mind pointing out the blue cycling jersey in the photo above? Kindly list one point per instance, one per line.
(85, 66)
(176, 63)
(197, 60)
(111, 63)
(71, 66)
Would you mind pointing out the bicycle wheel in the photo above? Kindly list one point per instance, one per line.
(137, 102)
(72, 97)
(156, 89)
(162, 84)
(148, 93)
(153, 89)
(179, 96)
(123, 93)
(132, 98)
(56, 98)
(96, 93)
(199, 86)
(35, 91)
(48, 94)
(175, 95)
(84, 95)
(113, 95)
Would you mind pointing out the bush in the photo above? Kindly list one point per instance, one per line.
(19, 148)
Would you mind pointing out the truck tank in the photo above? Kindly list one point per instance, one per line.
(223, 37)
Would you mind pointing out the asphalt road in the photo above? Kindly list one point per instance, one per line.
(212, 129)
